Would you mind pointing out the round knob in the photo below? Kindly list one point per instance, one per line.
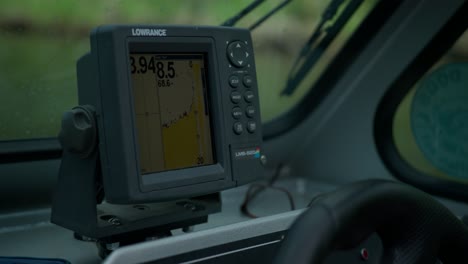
(78, 133)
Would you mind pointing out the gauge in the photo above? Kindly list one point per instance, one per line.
(439, 119)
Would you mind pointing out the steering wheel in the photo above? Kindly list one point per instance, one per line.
(414, 227)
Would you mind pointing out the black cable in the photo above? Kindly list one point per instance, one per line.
(255, 189)
(249, 196)
(316, 198)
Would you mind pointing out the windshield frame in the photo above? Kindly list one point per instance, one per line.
(383, 128)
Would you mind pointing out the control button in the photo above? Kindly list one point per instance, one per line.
(251, 126)
(237, 53)
(250, 111)
(236, 97)
(247, 81)
(234, 81)
(249, 96)
(237, 112)
(238, 128)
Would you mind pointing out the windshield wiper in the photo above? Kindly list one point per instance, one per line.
(233, 20)
(269, 14)
(319, 41)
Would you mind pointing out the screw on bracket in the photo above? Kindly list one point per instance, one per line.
(115, 221)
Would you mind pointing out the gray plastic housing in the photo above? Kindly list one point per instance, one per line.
(104, 81)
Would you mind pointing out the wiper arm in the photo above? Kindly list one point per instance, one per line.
(269, 14)
(233, 20)
(318, 42)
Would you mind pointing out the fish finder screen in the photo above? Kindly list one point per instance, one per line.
(171, 111)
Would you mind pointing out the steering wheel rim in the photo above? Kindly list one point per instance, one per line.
(414, 227)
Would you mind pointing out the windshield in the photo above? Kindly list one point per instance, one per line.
(42, 40)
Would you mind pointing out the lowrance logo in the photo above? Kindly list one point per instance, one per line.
(151, 32)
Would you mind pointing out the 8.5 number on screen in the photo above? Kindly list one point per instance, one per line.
(162, 69)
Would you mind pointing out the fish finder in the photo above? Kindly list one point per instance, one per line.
(165, 113)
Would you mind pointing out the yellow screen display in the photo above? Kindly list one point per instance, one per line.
(171, 112)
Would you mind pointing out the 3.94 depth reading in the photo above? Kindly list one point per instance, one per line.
(163, 69)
